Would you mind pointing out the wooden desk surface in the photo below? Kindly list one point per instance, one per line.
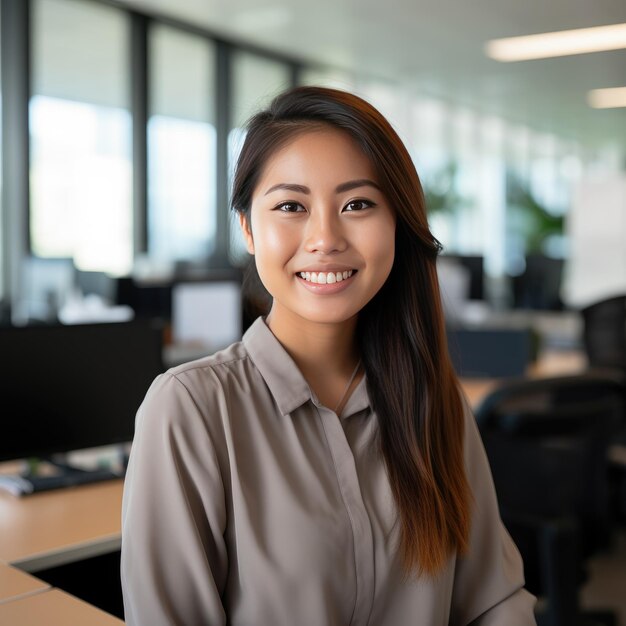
(549, 363)
(558, 362)
(55, 527)
(54, 608)
(14, 583)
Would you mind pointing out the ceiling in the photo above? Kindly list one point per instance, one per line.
(435, 47)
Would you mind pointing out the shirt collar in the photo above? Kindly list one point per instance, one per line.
(285, 381)
(358, 401)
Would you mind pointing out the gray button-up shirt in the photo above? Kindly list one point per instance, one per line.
(247, 502)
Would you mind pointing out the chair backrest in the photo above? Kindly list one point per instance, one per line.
(604, 332)
(547, 442)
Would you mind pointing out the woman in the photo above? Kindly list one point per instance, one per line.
(325, 470)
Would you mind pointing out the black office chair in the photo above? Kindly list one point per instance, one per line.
(604, 341)
(604, 332)
(547, 442)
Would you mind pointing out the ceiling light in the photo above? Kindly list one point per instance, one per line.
(560, 43)
(607, 98)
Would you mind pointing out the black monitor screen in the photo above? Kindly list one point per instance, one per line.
(70, 387)
(474, 264)
(490, 352)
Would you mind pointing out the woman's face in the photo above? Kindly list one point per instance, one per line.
(321, 230)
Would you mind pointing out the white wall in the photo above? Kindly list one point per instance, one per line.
(596, 225)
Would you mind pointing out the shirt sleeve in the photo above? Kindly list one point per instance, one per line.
(489, 579)
(173, 556)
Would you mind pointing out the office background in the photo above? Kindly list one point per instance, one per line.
(121, 122)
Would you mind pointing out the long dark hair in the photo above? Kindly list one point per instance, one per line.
(401, 332)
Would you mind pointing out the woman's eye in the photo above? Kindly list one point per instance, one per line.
(290, 207)
(358, 205)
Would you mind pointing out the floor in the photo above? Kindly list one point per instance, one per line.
(606, 588)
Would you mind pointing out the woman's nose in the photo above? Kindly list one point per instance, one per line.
(325, 234)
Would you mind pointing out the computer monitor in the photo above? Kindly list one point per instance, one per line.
(148, 300)
(66, 388)
(98, 284)
(207, 313)
(45, 285)
(539, 286)
(490, 352)
(475, 267)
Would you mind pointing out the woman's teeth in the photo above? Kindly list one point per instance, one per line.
(324, 278)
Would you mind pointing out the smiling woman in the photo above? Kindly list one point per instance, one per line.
(325, 469)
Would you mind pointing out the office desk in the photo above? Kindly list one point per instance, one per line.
(57, 527)
(49, 529)
(549, 363)
(53, 607)
(15, 584)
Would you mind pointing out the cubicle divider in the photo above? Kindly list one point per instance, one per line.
(491, 352)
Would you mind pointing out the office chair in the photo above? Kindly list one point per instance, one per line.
(604, 332)
(604, 341)
(547, 442)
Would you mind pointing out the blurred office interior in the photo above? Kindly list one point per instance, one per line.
(122, 120)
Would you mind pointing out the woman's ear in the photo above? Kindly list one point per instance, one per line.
(247, 232)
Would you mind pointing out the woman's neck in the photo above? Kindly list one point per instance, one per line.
(325, 353)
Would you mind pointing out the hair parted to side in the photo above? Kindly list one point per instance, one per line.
(401, 332)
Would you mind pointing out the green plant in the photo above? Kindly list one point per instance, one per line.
(531, 219)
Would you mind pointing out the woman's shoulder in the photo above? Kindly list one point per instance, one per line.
(224, 360)
(199, 385)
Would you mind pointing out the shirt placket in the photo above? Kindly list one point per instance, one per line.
(350, 489)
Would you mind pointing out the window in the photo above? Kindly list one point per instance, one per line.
(80, 125)
(2, 252)
(181, 146)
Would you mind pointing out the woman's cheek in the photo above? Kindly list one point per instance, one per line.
(272, 236)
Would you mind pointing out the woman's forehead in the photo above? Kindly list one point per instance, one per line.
(320, 154)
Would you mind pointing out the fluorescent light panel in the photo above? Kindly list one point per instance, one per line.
(556, 44)
(607, 98)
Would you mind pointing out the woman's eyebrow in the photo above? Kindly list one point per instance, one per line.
(347, 186)
(353, 184)
(289, 187)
